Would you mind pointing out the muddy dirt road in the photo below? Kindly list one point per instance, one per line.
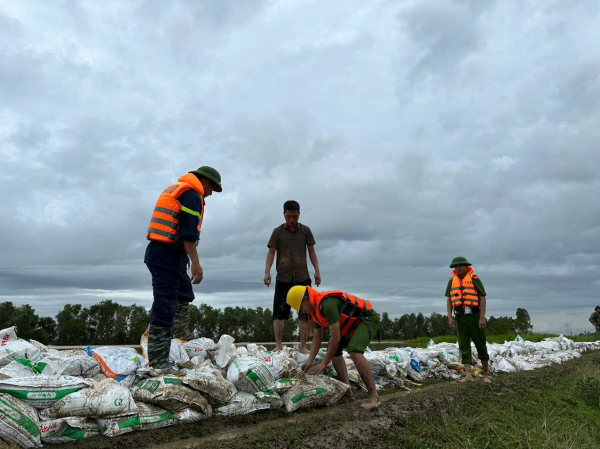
(344, 424)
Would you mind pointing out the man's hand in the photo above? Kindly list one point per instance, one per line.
(482, 323)
(451, 323)
(306, 366)
(267, 279)
(317, 369)
(197, 273)
(317, 278)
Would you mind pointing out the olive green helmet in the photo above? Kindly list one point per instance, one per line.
(210, 173)
(459, 261)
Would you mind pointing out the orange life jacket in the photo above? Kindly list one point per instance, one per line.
(463, 291)
(164, 225)
(352, 314)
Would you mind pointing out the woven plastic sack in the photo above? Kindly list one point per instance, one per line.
(241, 404)
(65, 430)
(116, 361)
(8, 334)
(42, 391)
(148, 417)
(314, 391)
(105, 399)
(171, 394)
(250, 375)
(18, 349)
(209, 380)
(27, 368)
(189, 415)
(200, 347)
(18, 423)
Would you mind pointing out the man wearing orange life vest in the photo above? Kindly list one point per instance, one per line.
(352, 323)
(174, 232)
(467, 297)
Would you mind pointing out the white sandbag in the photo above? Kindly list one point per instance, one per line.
(42, 391)
(65, 430)
(18, 423)
(43, 348)
(200, 347)
(226, 351)
(18, 349)
(380, 365)
(148, 417)
(26, 368)
(250, 375)
(283, 385)
(171, 394)
(282, 364)
(116, 361)
(241, 404)
(189, 415)
(81, 365)
(269, 397)
(178, 355)
(8, 334)
(209, 380)
(503, 366)
(105, 399)
(314, 391)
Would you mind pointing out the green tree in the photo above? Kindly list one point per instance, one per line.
(438, 325)
(71, 325)
(386, 327)
(500, 325)
(522, 322)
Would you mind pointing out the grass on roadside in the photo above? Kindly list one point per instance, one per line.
(557, 412)
(422, 342)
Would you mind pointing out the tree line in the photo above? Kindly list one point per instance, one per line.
(111, 323)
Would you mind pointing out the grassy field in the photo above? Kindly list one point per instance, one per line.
(422, 342)
(553, 408)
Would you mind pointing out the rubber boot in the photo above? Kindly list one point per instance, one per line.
(159, 346)
(181, 325)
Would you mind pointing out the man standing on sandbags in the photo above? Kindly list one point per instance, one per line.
(466, 296)
(174, 233)
(352, 323)
(595, 318)
(290, 241)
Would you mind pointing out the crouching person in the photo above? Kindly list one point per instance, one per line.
(352, 323)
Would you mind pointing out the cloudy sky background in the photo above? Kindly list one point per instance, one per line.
(410, 132)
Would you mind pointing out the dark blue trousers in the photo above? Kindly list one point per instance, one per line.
(169, 287)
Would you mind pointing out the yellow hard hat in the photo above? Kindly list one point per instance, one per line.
(295, 295)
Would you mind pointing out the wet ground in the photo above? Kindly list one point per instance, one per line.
(342, 425)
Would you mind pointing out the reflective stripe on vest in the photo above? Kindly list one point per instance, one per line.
(464, 295)
(164, 224)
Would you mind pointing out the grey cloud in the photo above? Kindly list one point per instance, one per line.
(453, 133)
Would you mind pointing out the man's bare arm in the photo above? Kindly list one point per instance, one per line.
(312, 255)
(334, 342)
(268, 265)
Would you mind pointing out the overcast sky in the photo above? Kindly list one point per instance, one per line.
(410, 132)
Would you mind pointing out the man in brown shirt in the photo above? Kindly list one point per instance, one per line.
(290, 241)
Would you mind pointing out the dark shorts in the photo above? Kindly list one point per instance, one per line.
(169, 287)
(281, 309)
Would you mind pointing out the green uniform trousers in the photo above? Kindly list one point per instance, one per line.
(467, 327)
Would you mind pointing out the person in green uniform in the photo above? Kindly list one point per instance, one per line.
(595, 318)
(329, 309)
(467, 298)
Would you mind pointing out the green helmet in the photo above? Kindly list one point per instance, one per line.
(210, 173)
(459, 261)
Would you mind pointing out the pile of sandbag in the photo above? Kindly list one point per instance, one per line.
(52, 396)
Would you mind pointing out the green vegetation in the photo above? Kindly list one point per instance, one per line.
(549, 409)
(422, 342)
